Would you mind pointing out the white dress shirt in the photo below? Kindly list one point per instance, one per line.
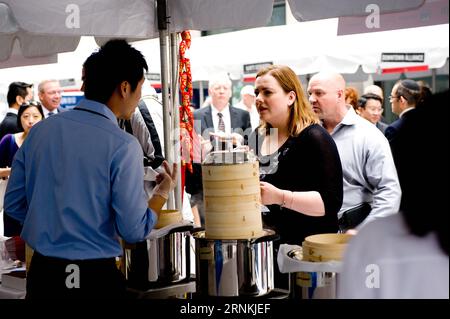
(46, 111)
(12, 110)
(226, 118)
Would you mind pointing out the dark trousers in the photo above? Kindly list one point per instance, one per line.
(57, 278)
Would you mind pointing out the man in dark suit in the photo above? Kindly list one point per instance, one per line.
(218, 118)
(49, 92)
(18, 93)
(404, 96)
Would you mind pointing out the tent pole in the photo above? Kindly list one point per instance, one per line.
(176, 116)
(433, 80)
(201, 95)
(163, 35)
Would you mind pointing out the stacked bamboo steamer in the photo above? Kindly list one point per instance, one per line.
(325, 247)
(232, 200)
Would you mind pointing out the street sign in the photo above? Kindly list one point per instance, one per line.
(255, 67)
(402, 57)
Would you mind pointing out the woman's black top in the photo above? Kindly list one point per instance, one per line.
(308, 162)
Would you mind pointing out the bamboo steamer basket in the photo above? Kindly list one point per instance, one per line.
(325, 247)
(232, 201)
(168, 217)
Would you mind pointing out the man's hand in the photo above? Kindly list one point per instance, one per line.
(166, 180)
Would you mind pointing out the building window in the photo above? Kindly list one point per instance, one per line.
(278, 18)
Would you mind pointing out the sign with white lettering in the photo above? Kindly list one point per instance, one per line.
(255, 67)
(402, 57)
(153, 76)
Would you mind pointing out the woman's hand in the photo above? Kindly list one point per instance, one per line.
(270, 194)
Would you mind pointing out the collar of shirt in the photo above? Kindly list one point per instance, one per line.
(46, 111)
(405, 111)
(97, 107)
(226, 118)
(12, 110)
(349, 119)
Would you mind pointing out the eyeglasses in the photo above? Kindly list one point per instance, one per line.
(32, 103)
(375, 110)
(391, 97)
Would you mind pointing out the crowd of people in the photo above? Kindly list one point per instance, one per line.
(328, 164)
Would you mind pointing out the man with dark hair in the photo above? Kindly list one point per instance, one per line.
(18, 93)
(405, 95)
(370, 107)
(77, 184)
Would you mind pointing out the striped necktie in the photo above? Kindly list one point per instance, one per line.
(221, 122)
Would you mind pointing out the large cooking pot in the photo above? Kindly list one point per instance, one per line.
(159, 261)
(234, 267)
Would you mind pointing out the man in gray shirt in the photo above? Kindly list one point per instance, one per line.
(367, 165)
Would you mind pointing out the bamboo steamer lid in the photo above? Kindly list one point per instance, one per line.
(168, 217)
(325, 247)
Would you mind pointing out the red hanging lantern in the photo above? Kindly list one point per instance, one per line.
(186, 116)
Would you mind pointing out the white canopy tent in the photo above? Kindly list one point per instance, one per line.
(56, 26)
(228, 52)
(310, 47)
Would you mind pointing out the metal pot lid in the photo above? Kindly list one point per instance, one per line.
(267, 235)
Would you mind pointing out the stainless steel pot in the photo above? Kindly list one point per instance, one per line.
(312, 285)
(234, 267)
(159, 262)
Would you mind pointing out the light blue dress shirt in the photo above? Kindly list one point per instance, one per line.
(76, 184)
(368, 167)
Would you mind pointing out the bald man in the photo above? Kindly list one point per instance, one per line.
(371, 186)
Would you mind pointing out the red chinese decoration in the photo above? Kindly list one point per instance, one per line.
(186, 116)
